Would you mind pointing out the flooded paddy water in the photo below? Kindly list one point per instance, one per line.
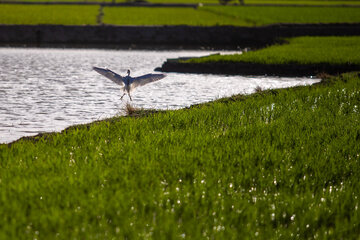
(44, 90)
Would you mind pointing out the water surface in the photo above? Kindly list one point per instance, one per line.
(43, 90)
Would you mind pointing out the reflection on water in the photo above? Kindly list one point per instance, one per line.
(44, 90)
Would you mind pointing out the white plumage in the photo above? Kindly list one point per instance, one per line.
(128, 82)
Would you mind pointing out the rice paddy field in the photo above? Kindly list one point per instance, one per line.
(277, 2)
(48, 14)
(164, 16)
(202, 16)
(275, 164)
(300, 50)
(257, 15)
(304, 2)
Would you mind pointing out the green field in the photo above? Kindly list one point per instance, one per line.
(202, 16)
(300, 50)
(280, 2)
(48, 14)
(303, 2)
(238, 16)
(255, 16)
(279, 164)
(164, 16)
(260, 2)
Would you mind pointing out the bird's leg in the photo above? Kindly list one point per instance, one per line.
(122, 96)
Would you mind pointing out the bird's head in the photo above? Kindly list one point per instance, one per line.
(128, 72)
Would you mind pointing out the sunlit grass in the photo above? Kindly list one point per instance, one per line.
(304, 2)
(220, 15)
(276, 164)
(163, 16)
(269, 15)
(301, 50)
(202, 16)
(48, 14)
(292, 2)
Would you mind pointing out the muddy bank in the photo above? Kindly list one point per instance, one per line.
(164, 37)
(242, 68)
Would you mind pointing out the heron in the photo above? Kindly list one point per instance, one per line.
(128, 82)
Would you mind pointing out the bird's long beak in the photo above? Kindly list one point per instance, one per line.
(97, 69)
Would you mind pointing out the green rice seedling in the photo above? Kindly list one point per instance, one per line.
(202, 16)
(303, 2)
(229, 15)
(280, 2)
(162, 16)
(280, 164)
(48, 14)
(257, 15)
(300, 50)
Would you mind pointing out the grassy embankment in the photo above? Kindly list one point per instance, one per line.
(301, 56)
(203, 16)
(300, 50)
(276, 164)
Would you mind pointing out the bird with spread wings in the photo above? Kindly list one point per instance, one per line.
(128, 82)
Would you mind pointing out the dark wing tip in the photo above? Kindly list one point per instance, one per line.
(97, 68)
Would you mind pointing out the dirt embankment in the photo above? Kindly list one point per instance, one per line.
(171, 37)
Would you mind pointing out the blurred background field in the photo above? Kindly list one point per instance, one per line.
(280, 2)
(48, 14)
(227, 15)
(201, 16)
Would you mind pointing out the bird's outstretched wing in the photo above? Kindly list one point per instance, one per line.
(148, 78)
(116, 78)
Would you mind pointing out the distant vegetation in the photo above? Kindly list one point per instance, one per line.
(48, 14)
(164, 16)
(301, 50)
(255, 16)
(294, 2)
(202, 16)
(280, 2)
(276, 164)
(238, 16)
